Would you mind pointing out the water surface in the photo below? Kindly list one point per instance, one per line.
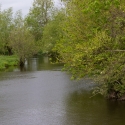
(41, 94)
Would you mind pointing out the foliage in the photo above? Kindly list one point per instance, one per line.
(7, 61)
(5, 28)
(93, 42)
(21, 40)
(23, 43)
(52, 31)
(14, 36)
(38, 17)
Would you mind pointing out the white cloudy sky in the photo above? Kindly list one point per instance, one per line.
(23, 5)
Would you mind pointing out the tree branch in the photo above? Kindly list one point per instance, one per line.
(116, 50)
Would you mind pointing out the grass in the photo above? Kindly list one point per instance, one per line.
(8, 61)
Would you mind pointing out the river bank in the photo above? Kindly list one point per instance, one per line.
(7, 62)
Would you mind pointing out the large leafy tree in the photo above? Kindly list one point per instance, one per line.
(21, 40)
(93, 43)
(6, 25)
(38, 17)
(52, 31)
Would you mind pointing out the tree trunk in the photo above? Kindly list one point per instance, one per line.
(22, 62)
(9, 49)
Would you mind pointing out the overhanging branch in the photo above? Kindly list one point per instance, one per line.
(116, 50)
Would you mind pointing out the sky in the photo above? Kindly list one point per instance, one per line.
(22, 5)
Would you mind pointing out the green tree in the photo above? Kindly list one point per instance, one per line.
(93, 43)
(6, 25)
(38, 17)
(21, 40)
(52, 31)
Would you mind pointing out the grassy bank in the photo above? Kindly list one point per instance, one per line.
(7, 61)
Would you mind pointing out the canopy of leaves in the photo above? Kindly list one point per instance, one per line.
(15, 37)
(6, 24)
(38, 17)
(23, 45)
(21, 40)
(93, 42)
(52, 31)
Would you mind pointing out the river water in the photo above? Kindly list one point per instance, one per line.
(40, 94)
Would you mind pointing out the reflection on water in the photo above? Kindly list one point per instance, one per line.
(96, 111)
(32, 64)
(40, 63)
(43, 95)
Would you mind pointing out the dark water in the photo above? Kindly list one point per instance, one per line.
(41, 94)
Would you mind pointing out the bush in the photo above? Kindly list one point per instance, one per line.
(8, 61)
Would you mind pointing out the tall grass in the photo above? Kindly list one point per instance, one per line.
(7, 61)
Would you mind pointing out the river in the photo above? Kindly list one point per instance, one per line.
(41, 94)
